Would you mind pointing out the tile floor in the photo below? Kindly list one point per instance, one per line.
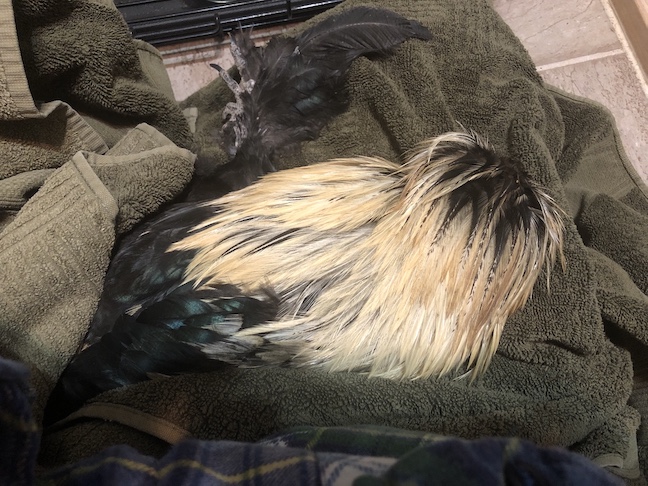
(576, 45)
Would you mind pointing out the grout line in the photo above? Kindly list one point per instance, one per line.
(626, 46)
(580, 59)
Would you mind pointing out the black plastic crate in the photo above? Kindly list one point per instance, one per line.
(162, 22)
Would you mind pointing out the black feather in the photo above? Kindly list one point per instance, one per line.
(501, 189)
(293, 87)
(359, 31)
(162, 339)
(142, 266)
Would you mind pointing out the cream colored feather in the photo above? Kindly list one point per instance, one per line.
(373, 270)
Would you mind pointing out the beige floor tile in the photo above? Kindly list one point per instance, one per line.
(612, 82)
(557, 30)
(188, 65)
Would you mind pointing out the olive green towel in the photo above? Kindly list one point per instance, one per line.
(71, 182)
(81, 52)
(557, 377)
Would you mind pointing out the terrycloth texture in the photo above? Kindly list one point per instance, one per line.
(81, 52)
(83, 85)
(34, 148)
(55, 253)
(307, 455)
(557, 379)
(143, 159)
(46, 142)
(15, 99)
(64, 195)
(53, 256)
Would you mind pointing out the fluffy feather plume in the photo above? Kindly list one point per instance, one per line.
(291, 88)
(403, 272)
(399, 271)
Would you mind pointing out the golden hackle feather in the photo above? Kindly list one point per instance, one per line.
(403, 272)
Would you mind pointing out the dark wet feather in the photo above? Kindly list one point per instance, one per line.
(292, 88)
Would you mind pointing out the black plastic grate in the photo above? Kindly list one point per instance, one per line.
(162, 22)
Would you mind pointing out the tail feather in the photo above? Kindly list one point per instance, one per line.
(293, 87)
(302, 86)
(357, 32)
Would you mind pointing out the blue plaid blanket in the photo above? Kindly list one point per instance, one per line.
(309, 455)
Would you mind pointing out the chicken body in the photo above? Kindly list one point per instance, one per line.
(398, 271)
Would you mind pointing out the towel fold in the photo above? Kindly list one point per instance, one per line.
(52, 278)
(81, 52)
(64, 194)
(563, 374)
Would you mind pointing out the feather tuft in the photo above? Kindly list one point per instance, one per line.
(403, 272)
(293, 87)
(357, 32)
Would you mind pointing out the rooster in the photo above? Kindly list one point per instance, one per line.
(401, 271)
